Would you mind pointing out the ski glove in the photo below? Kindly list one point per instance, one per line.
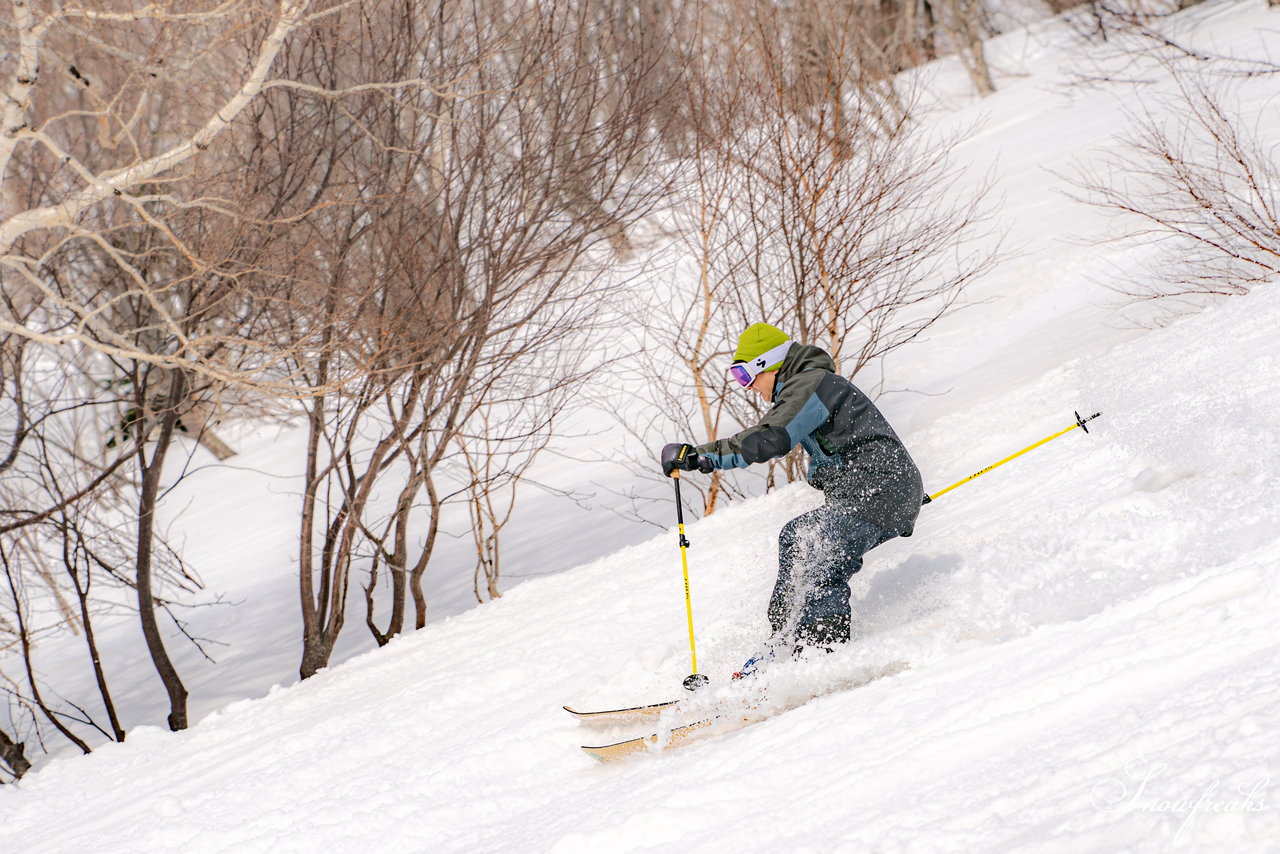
(681, 455)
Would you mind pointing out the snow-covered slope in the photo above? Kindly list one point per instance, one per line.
(1089, 633)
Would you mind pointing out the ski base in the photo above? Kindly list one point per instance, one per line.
(622, 749)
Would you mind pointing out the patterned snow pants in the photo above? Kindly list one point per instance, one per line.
(818, 552)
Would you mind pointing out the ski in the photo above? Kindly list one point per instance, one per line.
(621, 715)
(622, 749)
(669, 739)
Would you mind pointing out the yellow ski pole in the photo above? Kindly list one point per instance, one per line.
(695, 680)
(1080, 422)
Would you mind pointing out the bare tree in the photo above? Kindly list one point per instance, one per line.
(83, 560)
(499, 448)
(961, 20)
(107, 106)
(460, 272)
(1134, 27)
(56, 481)
(74, 486)
(686, 324)
(25, 632)
(813, 203)
(859, 239)
(1195, 179)
(130, 232)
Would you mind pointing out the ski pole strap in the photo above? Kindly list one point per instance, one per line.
(1080, 422)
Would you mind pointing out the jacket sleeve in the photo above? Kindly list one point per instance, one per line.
(796, 412)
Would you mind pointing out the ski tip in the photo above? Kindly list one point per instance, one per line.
(606, 753)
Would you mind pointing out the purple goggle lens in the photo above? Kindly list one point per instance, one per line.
(741, 374)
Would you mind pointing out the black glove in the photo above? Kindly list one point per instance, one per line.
(681, 455)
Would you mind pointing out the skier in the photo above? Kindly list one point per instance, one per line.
(872, 487)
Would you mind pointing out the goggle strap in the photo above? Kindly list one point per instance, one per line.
(770, 357)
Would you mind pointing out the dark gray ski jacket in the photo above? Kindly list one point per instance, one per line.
(855, 458)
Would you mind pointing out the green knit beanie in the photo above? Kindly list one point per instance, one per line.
(757, 339)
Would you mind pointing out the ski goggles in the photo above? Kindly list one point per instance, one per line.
(745, 373)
